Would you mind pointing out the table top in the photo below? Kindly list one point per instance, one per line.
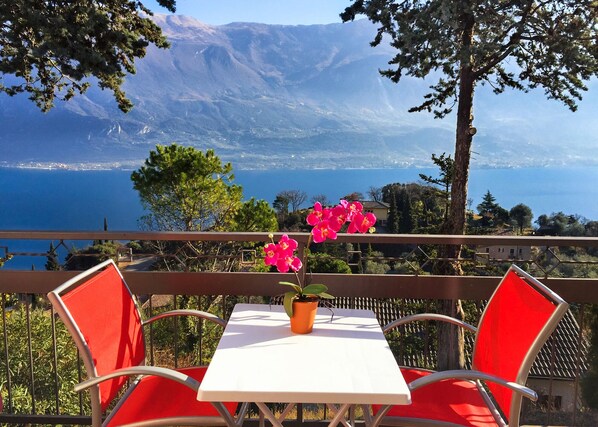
(344, 360)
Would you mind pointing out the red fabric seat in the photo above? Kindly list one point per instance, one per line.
(452, 401)
(170, 399)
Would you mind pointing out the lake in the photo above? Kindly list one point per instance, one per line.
(80, 200)
(32, 199)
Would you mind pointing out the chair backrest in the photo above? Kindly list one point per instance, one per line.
(102, 316)
(517, 321)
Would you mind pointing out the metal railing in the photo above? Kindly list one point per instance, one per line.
(568, 265)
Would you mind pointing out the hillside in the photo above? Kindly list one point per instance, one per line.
(268, 96)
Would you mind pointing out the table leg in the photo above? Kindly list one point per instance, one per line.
(261, 419)
(339, 416)
(377, 418)
(268, 414)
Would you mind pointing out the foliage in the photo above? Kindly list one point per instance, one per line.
(560, 224)
(375, 193)
(326, 263)
(281, 205)
(553, 43)
(56, 49)
(488, 205)
(186, 190)
(292, 199)
(295, 221)
(190, 339)
(320, 198)
(589, 381)
(255, 215)
(52, 263)
(353, 197)
(405, 208)
(522, 216)
(417, 208)
(392, 222)
(287, 203)
(373, 266)
(413, 349)
(447, 168)
(82, 259)
(43, 364)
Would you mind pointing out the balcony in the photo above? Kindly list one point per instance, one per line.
(39, 362)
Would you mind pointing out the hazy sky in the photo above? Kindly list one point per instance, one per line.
(288, 12)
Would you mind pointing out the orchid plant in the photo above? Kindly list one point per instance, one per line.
(326, 223)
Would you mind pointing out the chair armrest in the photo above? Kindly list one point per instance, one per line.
(171, 374)
(142, 370)
(472, 375)
(195, 313)
(428, 316)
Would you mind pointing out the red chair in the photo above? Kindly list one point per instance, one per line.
(517, 321)
(102, 316)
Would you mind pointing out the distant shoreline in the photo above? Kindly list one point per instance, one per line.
(90, 167)
(34, 197)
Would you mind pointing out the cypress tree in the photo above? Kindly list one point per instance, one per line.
(406, 222)
(52, 263)
(393, 215)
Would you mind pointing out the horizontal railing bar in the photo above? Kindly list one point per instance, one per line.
(421, 239)
(266, 284)
(24, 419)
(295, 423)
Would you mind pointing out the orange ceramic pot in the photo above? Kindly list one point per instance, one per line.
(304, 314)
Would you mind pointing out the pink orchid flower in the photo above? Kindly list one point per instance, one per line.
(338, 217)
(323, 231)
(318, 214)
(326, 223)
(286, 246)
(353, 209)
(284, 264)
(271, 256)
(362, 223)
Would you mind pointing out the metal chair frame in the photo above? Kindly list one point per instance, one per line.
(94, 380)
(518, 387)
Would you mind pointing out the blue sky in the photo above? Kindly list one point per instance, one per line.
(287, 12)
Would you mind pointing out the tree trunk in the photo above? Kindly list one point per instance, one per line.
(450, 337)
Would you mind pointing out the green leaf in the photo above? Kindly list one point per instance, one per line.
(288, 302)
(294, 286)
(314, 289)
(326, 295)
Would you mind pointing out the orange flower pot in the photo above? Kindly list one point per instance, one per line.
(304, 315)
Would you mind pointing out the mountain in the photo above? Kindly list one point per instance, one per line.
(270, 96)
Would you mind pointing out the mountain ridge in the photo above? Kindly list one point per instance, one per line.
(275, 96)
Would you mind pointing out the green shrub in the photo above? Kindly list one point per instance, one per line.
(42, 352)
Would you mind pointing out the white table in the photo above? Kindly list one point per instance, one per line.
(345, 361)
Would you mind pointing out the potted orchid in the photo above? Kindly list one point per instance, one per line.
(326, 223)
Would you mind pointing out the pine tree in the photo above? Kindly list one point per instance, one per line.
(447, 167)
(488, 209)
(55, 50)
